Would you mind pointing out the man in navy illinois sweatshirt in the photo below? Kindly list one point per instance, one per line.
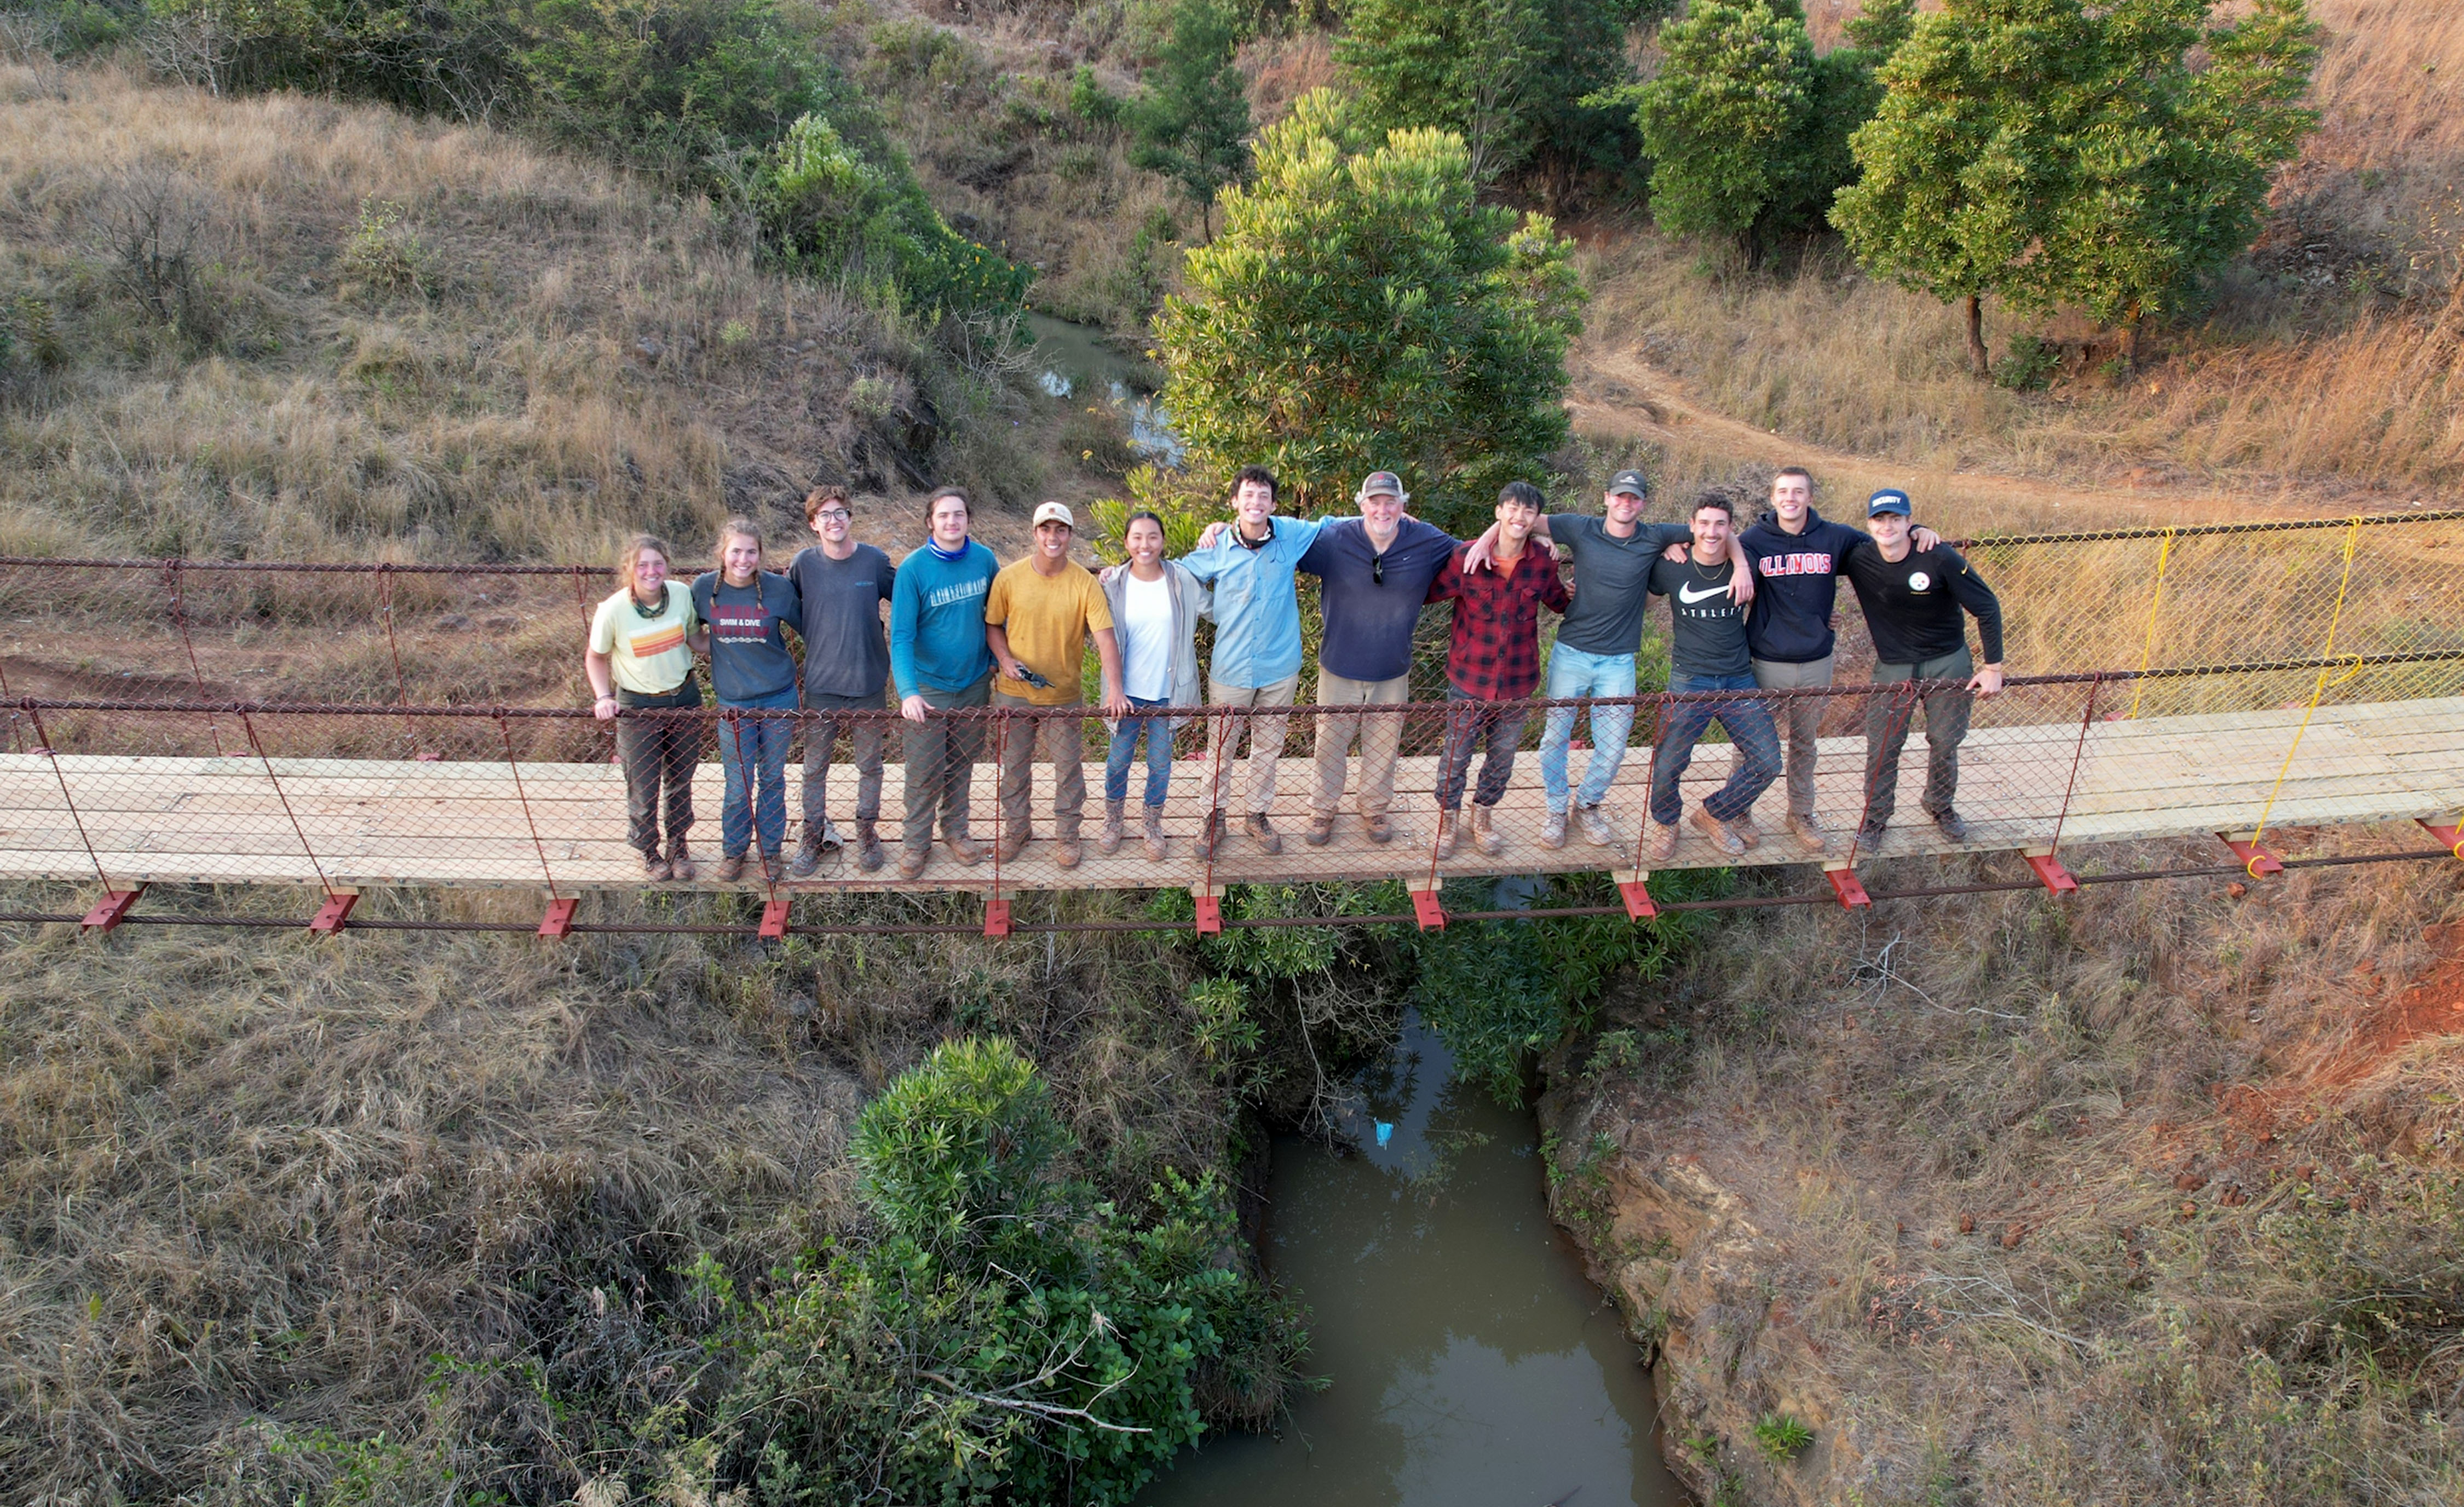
(1796, 555)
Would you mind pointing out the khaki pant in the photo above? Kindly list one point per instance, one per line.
(1265, 739)
(1800, 721)
(1062, 739)
(941, 754)
(1380, 733)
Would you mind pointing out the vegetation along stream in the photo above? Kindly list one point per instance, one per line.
(1469, 1360)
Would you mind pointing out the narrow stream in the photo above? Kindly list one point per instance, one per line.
(1073, 361)
(1472, 1364)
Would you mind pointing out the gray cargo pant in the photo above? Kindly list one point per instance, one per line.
(1799, 719)
(1888, 717)
(941, 755)
(866, 735)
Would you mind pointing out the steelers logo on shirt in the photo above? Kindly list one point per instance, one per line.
(1920, 582)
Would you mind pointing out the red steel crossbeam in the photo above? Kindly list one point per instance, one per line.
(113, 909)
(1845, 884)
(2051, 872)
(2258, 861)
(1638, 900)
(558, 923)
(995, 917)
(774, 919)
(1427, 911)
(1210, 915)
(2451, 838)
(331, 917)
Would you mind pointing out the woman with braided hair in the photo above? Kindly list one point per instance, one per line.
(748, 608)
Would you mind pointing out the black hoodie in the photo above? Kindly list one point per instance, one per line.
(1796, 583)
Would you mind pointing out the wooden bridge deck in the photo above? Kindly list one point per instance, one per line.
(384, 822)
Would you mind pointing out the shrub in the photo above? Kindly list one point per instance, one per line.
(384, 253)
(666, 83)
(1191, 122)
(1363, 310)
(153, 230)
(2028, 364)
(1783, 1436)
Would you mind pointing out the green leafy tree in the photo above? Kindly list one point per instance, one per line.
(1362, 309)
(1191, 122)
(2046, 153)
(1731, 88)
(666, 83)
(1510, 77)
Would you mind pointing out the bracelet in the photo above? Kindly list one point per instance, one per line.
(609, 696)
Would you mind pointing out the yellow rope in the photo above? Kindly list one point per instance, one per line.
(2352, 538)
(2147, 651)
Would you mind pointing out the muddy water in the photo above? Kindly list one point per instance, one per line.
(1072, 360)
(1471, 1363)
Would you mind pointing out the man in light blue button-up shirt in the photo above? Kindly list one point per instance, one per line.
(1257, 658)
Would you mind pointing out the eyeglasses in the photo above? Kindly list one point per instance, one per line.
(828, 513)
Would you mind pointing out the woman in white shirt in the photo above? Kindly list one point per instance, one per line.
(1155, 607)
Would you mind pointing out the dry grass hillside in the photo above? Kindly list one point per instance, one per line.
(2330, 367)
(2152, 1196)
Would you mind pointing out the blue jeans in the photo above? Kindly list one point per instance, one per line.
(1157, 733)
(1748, 723)
(763, 744)
(1572, 673)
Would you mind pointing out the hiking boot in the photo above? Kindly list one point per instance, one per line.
(1153, 835)
(680, 864)
(1109, 840)
(963, 848)
(1379, 828)
(1447, 821)
(1065, 851)
(655, 864)
(1013, 842)
(1211, 837)
(1595, 827)
(731, 868)
(1871, 835)
(1807, 832)
(1746, 830)
(912, 860)
(1553, 832)
(1953, 825)
(771, 868)
(809, 855)
(1321, 828)
(1263, 830)
(1660, 842)
(868, 845)
(1483, 836)
(1712, 826)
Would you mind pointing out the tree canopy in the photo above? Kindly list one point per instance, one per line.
(2049, 154)
(1361, 309)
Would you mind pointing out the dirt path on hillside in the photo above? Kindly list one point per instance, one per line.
(1619, 392)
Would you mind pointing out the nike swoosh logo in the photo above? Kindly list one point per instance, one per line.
(1689, 596)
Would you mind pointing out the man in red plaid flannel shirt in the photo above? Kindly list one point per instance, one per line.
(1494, 657)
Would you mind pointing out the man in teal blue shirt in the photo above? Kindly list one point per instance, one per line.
(1257, 661)
(941, 661)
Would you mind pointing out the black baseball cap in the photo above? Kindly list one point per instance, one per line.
(1629, 481)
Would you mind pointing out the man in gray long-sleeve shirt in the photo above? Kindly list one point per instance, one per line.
(1916, 603)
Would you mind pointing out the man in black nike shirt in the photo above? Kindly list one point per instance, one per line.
(1914, 601)
(1707, 652)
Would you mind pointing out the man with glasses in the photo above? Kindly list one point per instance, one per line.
(845, 589)
(1374, 571)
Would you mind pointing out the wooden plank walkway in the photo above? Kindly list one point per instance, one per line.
(373, 823)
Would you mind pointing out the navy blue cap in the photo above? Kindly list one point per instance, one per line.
(1890, 499)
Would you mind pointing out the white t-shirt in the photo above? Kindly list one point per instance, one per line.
(1146, 639)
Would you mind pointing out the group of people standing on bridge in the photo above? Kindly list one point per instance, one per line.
(956, 631)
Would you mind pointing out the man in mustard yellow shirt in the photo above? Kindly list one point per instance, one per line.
(1037, 620)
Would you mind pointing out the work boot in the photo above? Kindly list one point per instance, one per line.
(771, 868)
(1065, 851)
(1483, 836)
(809, 854)
(1712, 826)
(912, 860)
(1595, 827)
(868, 845)
(1109, 840)
(1446, 834)
(1155, 849)
(1377, 828)
(1746, 830)
(1211, 837)
(1321, 828)
(1553, 832)
(1953, 825)
(1263, 830)
(1871, 835)
(1012, 841)
(655, 864)
(1660, 842)
(731, 868)
(963, 848)
(1807, 832)
(680, 864)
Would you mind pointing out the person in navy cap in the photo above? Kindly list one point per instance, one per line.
(1914, 601)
